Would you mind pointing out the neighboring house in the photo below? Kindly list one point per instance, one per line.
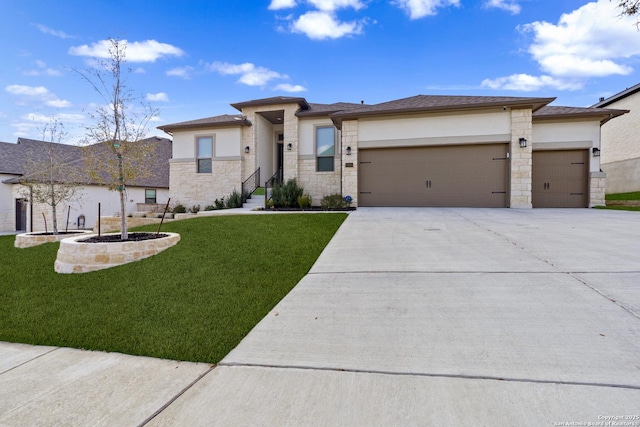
(19, 213)
(474, 151)
(620, 157)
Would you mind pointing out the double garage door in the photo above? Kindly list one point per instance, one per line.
(467, 176)
(470, 175)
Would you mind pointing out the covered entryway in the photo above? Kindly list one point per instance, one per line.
(453, 176)
(560, 179)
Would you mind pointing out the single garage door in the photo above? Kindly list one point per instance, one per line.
(456, 176)
(560, 179)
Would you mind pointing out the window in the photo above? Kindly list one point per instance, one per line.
(150, 196)
(325, 148)
(205, 153)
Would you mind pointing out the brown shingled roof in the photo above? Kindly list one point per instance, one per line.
(270, 101)
(209, 122)
(559, 112)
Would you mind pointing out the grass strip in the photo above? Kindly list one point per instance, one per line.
(635, 195)
(194, 301)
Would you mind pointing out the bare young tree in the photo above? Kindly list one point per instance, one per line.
(629, 7)
(117, 156)
(51, 176)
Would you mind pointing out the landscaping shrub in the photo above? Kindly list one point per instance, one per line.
(194, 209)
(179, 209)
(234, 200)
(286, 195)
(219, 203)
(334, 201)
(304, 201)
(210, 208)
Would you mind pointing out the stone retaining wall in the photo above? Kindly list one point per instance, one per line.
(112, 223)
(27, 240)
(77, 257)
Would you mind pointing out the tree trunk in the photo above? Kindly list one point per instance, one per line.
(53, 211)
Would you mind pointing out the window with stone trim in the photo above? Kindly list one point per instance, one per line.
(204, 147)
(325, 148)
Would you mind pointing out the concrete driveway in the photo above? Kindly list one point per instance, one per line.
(427, 317)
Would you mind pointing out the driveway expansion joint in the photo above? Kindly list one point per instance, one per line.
(30, 360)
(431, 375)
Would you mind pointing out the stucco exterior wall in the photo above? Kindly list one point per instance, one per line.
(86, 204)
(7, 205)
(568, 135)
(621, 136)
(435, 129)
(226, 142)
(620, 155)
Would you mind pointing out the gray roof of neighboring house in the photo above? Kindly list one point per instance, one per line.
(618, 96)
(15, 158)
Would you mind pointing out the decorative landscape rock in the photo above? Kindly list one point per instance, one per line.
(27, 240)
(75, 256)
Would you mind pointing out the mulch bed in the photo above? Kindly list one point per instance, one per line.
(131, 237)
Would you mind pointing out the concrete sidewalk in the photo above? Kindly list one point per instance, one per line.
(409, 317)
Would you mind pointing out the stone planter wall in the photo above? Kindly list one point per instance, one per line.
(112, 223)
(27, 240)
(78, 257)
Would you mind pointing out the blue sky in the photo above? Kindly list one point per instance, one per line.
(191, 59)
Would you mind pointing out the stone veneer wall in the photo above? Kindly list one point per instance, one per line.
(27, 240)
(76, 257)
(521, 159)
(318, 184)
(190, 188)
(597, 189)
(350, 174)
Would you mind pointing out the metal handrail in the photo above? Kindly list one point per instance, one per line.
(249, 185)
(268, 186)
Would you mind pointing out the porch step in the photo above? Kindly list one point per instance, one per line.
(254, 201)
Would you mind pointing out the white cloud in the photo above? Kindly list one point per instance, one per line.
(323, 25)
(286, 87)
(27, 90)
(331, 5)
(421, 8)
(510, 6)
(39, 93)
(528, 83)
(590, 41)
(42, 70)
(146, 51)
(139, 70)
(42, 118)
(250, 74)
(281, 4)
(160, 97)
(46, 30)
(183, 72)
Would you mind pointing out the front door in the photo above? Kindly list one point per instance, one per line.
(280, 157)
(21, 215)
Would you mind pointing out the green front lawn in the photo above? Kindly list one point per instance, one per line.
(194, 301)
(623, 196)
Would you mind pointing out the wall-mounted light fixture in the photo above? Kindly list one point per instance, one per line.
(349, 151)
(289, 147)
(523, 142)
(247, 149)
(595, 151)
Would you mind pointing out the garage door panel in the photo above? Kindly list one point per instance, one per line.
(434, 176)
(560, 179)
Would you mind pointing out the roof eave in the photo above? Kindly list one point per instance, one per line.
(171, 128)
(302, 103)
(604, 115)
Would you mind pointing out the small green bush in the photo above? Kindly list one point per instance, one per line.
(286, 195)
(220, 204)
(194, 209)
(179, 209)
(304, 201)
(234, 200)
(334, 201)
(209, 208)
